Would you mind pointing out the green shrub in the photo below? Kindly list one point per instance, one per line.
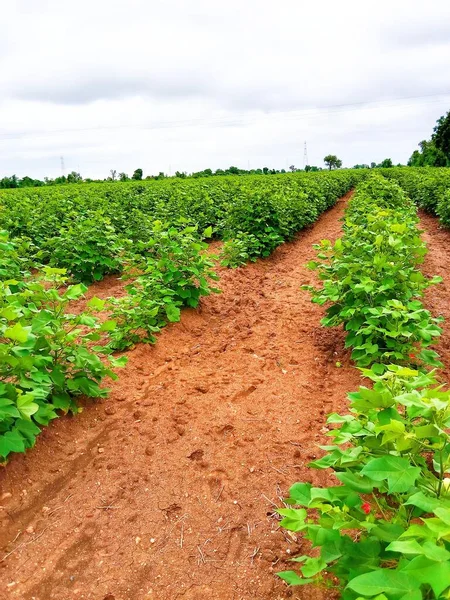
(173, 270)
(370, 282)
(384, 531)
(45, 359)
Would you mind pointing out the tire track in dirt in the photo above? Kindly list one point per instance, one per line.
(167, 488)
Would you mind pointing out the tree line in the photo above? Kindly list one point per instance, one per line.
(434, 152)
(331, 162)
(138, 175)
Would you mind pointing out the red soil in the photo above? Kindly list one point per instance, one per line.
(437, 262)
(167, 489)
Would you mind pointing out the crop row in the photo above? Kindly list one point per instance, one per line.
(384, 532)
(429, 188)
(50, 357)
(87, 229)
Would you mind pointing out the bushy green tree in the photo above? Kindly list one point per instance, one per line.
(436, 151)
(428, 156)
(332, 161)
(386, 163)
(441, 136)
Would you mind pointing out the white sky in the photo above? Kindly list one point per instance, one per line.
(171, 85)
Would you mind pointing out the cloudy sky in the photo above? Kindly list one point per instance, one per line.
(171, 85)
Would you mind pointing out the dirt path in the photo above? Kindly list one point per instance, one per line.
(166, 489)
(437, 262)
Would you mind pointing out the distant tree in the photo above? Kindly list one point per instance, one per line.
(113, 174)
(362, 166)
(284, 170)
(441, 135)
(386, 163)
(74, 177)
(123, 177)
(436, 151)
(30, 182)
(233, 171)
(137, 175)
(181, 175)
(204, 173)
(332, 161)
(265, 170)
(428, 156)
(373, 165)
(292, 168)
(15, 182)
(9, 182)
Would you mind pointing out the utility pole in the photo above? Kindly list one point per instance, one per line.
(305, 155)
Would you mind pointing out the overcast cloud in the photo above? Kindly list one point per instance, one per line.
(185, 85)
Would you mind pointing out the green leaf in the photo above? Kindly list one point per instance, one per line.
(355, 482)
(96, 303)
(11, 441)
(85, 386)
(394, 584)
(291, 578)
(17, 333)
(41, 320)
(398, 472)
(387, 532)
(443, 514)
(109, 325)
(424, 570)
(313, 566)
(405, 547)
(425, 503)
(61, 401)
(74, 292)
(119, 361)
(435, 552)
(173, 313)
(301, 493)
(87, 320)
(26, 406)
(294, 518)
(29, 430)
(415, 595)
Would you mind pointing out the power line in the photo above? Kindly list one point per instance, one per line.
(231, 119)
